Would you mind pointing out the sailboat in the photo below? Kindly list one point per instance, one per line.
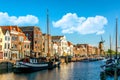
(112, 66)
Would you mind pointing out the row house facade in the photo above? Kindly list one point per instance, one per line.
(1, 44)
(96, 51)
(60, 45)
(93, 50)
(80, 49)
(85, 50)
(7, 44)
(34, 34)
(14, 43)
(89, 50)
(47, 49)
(70, 49)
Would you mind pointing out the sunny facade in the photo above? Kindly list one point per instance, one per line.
(26, 46)
(70, 49)
(62, 45)
(7, 44)
(1, 44)
(15, 41)
(47, 42)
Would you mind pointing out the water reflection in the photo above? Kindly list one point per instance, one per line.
(70, 71)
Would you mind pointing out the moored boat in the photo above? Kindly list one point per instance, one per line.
(30, 65)
(54, 62)
(112, 66)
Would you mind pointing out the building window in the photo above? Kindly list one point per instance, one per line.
(43, 49)
(5, 45)
(25, 46)
(21, 38)
(0, 39)
(14, 46)
(27, 35)
(6, 38)
(8, 45)
(28, 46)
(14, 38)
(5, 54)
(0, 47)
(14, 29)
(35, 42)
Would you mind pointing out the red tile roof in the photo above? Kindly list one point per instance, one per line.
(11, 28)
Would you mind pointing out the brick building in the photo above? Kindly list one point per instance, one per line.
(85, 50)
(17, 38)
(45, 44)
(81, 49)
(34, 34)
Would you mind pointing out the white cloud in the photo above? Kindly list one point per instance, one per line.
(5, 19)
(100, 32)
(71, 23)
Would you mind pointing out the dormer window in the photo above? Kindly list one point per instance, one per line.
(14, 29)
(21, 38)
(27, 34)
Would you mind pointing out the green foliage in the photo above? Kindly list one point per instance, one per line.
(110, 51)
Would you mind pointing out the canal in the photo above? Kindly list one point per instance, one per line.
(70, 71)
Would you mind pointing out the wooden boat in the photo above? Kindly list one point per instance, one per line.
(35, 64)
(31, 65)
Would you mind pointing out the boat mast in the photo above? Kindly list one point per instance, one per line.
(116, 37)
(110, 49)
(48, 54)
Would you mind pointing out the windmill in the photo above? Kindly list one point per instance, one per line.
(101, 46)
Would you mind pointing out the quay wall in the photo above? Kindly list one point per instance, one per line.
(6, 65)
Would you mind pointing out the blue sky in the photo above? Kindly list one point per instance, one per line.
(81, 21)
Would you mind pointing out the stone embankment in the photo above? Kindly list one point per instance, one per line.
(6, 64)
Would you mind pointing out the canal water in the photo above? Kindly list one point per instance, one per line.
(70, 71)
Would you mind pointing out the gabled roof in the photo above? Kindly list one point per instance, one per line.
(26, 39)
(11, 28)
(4, 31)
(56, 37)
(69, 43)
(26, 28)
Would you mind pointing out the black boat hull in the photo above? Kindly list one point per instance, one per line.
(28, 69)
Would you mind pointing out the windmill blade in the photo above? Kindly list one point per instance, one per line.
(104, 40)
(101, 38)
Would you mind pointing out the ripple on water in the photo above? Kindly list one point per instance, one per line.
(70, 71)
